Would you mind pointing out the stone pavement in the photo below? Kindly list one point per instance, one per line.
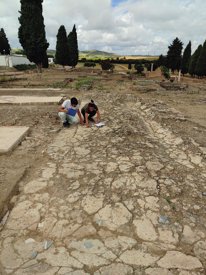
(128, 198)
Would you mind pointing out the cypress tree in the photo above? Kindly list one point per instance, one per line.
(62, 48)
(193, 61)
(73, 47)
(174, 55)
(200, 69)
(32, 35)
(4, 43)
(186, 58)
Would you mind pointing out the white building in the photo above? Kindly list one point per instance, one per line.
(51, 60)
(13, 60)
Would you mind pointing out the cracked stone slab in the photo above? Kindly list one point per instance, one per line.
(116, 268)
(34, 186)
(120, 244)
(69, 271)
(91, 252)
(113, 217)
(92, 204)
(29, 99)
(10, 137)
(154, 165)
(200, 249)
(158, 271)
(23, 216)
(138, 258)
(59, 257)
(145, 230)
(191, 235)
(176, 259)
(9, 259)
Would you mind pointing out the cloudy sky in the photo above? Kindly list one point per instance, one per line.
(120, 26)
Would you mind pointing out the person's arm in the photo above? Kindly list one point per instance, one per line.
(80, 117)
(86, 119)
(98, 116)
(62, 109)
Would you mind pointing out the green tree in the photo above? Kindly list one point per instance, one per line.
(174, 55)
(186, 58)
(200, 69)
(193, 61)
(73, 47)
(5, 48)
(32, 35)
(107, 65)
(62, 48)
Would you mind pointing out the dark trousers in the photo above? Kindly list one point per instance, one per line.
(91, 114)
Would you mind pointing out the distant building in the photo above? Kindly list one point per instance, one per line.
(13, 60)
(51, 60)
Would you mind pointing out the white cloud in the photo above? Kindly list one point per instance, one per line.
(132, 27)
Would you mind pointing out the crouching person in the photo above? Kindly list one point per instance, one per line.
(68, 110)
(89, 111)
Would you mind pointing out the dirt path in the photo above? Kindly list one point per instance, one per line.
(128, 198)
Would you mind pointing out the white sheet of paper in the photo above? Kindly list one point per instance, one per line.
(100, 124)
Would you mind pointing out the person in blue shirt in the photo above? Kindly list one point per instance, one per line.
(68, 110)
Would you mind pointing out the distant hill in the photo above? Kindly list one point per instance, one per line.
(97, 53)
(51, 52)
(89, 54)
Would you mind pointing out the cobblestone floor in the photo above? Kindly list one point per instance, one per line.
(128, 198)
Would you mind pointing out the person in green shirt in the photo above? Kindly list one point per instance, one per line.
(89, 111)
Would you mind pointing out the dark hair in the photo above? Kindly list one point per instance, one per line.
(74, 101)
(91, 104)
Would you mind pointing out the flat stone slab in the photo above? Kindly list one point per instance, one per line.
(10, 137)
(29, 99)
(30, 89)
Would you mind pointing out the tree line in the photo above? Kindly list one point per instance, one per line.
(194, 64)
(32, 38)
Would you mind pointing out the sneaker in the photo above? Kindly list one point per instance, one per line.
(66, 124)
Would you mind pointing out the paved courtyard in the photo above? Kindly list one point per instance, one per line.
(127, 198)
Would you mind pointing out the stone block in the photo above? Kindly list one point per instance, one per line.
(10, 137)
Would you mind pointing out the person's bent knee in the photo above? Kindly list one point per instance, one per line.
(62, 116)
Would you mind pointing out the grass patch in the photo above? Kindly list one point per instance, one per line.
(24, 67)
(84, 83)
(60, 84)
(4, 78)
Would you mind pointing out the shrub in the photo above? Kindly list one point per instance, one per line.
(24, 67)
(107, 65)
(89, 64)
(165, 72)
(139, 68)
